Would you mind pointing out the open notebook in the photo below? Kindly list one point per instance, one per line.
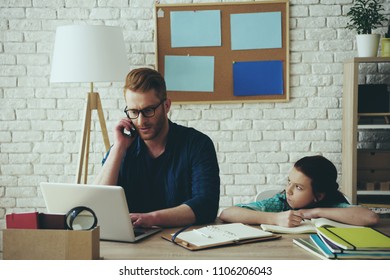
(307, 226)
(218, 235)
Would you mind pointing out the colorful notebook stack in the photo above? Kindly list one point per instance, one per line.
(347, 243)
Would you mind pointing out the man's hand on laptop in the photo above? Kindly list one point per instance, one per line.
(170, 217)
(145, 220)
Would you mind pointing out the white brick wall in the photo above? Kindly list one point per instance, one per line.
(256, 143)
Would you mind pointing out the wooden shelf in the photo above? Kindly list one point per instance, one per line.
(350, 127)
(368, 60)
(383, 205)
(376, 115)
(374, 126)
(373, 192)
(373, 114)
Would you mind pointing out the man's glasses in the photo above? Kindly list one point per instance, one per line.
(147, 112)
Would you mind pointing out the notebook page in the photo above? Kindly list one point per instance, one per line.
(218, 234)
(242, 231)
(320, 222)
(203, 237)
(305, 227)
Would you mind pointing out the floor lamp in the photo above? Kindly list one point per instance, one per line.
(89, 53)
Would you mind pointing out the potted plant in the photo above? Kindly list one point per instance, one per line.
(365, 16)
(385, 50)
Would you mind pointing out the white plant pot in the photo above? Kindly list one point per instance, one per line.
(367, 44)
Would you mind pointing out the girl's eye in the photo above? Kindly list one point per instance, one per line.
(299, 187)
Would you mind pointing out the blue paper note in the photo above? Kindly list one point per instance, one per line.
(256, 30)
(196, 28)
(258, 78)
(189, 73)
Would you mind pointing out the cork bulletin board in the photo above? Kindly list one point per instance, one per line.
(224, 52)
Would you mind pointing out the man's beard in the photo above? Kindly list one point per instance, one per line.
(154, 130)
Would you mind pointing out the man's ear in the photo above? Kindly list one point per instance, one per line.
(167, 105)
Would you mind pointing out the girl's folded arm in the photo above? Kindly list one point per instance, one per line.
(242, 215)
(354, 215)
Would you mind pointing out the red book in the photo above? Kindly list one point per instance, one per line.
(22, 220)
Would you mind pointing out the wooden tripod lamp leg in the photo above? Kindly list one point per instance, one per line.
(92, 103)
(84, 145)
(102, 122)
(86, 151)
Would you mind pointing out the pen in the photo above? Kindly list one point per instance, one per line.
(202, 233)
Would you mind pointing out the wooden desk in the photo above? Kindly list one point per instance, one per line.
(157, 248)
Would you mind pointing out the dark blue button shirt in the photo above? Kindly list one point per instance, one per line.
(186, 173)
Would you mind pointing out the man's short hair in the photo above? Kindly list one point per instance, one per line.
(146, 79)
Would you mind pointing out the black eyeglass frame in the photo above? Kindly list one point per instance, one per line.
(153, 108)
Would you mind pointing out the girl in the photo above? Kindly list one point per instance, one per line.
(311, 192)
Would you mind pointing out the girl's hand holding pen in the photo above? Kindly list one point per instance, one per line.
(291, 218)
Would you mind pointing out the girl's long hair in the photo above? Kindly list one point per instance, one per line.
(323, 175)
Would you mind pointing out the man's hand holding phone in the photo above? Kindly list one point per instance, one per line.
(124, 133)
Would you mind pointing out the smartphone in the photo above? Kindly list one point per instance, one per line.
(130, 133)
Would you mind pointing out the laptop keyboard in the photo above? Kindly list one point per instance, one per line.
(139, 231)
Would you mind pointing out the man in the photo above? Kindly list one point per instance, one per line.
(169, 172)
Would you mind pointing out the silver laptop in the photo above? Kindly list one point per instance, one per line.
(108, 202)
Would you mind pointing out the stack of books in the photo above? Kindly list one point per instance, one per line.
(346, 243)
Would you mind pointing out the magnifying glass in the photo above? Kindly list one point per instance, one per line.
(81, 218)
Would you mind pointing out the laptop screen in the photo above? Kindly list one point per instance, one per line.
(108, 202)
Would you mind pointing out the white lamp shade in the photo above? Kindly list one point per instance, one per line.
(89, 53)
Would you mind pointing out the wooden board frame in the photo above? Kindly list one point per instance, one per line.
(224, 56)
